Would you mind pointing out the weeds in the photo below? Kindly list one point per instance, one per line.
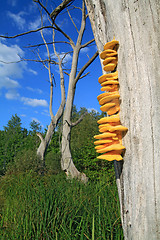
(50, 207)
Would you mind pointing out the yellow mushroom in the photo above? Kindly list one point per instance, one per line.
(111, 148)
(111, 88)
(102, 141)
(108, 76)
(110, 66)
(113, 118)
(105, 135)
(102, 95)
(114, 44)
(110, 60)
(107, 106)
(118, 128)
(108, 98)
(108, 157)
(108, 53)
(114, 82)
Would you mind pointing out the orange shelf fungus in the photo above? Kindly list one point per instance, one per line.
(109, 141)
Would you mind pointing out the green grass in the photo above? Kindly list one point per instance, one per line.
(51, 207)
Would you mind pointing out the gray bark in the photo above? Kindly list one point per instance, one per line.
(66, 160)
(135, 24)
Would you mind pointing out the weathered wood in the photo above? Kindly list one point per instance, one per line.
(136, 25)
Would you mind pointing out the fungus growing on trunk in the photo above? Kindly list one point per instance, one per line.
(110, 140)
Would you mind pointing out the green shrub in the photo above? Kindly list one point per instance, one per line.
(25, 160)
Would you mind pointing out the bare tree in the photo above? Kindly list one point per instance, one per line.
(136, 25)
(74, 74)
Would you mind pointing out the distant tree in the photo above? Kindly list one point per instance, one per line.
(35, 127)
(13, 139)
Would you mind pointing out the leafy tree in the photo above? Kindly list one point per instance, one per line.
(12, 139)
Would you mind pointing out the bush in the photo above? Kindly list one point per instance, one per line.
(26, 160)
(53, 162)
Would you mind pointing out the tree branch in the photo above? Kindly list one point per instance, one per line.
(85, 66)
(58, 9)
(40, 136)
(79, 120)
(22, 34)
(48, 43)
(72, 21)
(86, 44)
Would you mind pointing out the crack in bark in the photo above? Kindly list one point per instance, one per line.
(154, 177)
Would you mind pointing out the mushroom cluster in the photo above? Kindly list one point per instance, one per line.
(109, 141)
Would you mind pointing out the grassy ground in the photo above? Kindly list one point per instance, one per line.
(51, 207)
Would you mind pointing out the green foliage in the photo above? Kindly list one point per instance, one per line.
(82, 147)
(12, 140)
(25, 160)
(51, 207)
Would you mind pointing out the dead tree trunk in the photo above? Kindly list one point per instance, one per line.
(135, 24)
(74, 76)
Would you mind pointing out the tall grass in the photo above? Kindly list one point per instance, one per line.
(51, 207)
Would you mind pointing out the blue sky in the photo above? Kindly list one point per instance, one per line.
(24, 86)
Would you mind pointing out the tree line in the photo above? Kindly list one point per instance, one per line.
(18, 147)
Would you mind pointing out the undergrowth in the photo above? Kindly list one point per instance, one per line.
(51, 207)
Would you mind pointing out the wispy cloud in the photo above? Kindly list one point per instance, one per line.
(32, 71)
(12, 94)
(85, 50)
(92, 110)
(13, 3)
(34, 102)
(37, 90)
(18, 19)
(35, 119)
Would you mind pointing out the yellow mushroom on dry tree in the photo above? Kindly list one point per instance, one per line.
(110, 140)
(108, 76)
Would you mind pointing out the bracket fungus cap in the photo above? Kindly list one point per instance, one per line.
(113, 118)
(111, 148)
(108, 76)
(105, 135)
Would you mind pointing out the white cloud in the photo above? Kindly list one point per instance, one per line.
(32, 71)
(18, 19)
(8, 83)
(12, 94)
(34, 24)
(85, 50)
(8, 61)
(23, 115)
(9, 70)
(34, 102)
(35, 90)
(92, 110)
(12, 2)
(35, 119)
(46, 113)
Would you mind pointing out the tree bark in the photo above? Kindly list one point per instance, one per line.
(135, 24)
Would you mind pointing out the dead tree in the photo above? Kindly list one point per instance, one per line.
(135, 24)
(74, 75)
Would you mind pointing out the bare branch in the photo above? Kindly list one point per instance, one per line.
(42, 44)
(79, 120)
(40, 136)
(22, 34)
(84, 75)
(72, 21)
(85, 66)
(65, 35)
(88, 43)
(58, 9)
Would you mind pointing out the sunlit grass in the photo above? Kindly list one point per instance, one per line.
(51, 207)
